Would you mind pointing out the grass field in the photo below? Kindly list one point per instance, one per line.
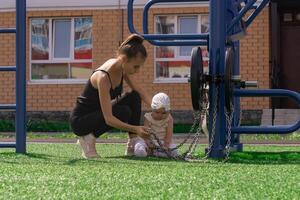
(56, 171)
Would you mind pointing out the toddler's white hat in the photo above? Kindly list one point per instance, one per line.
(161, 100)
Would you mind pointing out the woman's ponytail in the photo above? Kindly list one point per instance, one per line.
(132, 46)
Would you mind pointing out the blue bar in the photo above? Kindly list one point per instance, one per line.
(194, 39)
(267, 129)
(178, 43)
(235, 20)
(8, 106)
(7, 30)
(217, 40)
(176, 36)
(182, 36)
(7, 145)
(7, 68)
(21, 76)
(130, 16)
(256, 12)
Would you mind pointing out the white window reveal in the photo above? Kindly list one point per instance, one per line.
(172, 64)
(61, 50)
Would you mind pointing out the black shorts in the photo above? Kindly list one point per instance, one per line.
(127, 109)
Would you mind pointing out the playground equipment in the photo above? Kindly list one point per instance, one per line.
(20, 69)
(227, 27)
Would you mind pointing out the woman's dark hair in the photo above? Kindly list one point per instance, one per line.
(132, 46)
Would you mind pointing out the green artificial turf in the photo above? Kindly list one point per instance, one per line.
(56, 171)
(121, 135)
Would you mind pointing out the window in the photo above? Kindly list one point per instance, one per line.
(61, 49)
(172, 64)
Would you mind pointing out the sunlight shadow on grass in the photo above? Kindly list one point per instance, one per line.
(281, 158)
(123, 160)
(16, 158)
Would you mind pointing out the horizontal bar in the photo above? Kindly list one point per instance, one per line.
(283, 129)
(7, 106)
(8, 30)
(194, 39)
(152, 2)
(176, 36)
(278, 129)
(268, 93)
(179, 43)
(7, 68)
(7, 145)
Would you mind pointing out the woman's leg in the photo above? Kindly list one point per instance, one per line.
(92, 125)
(127, 109)
(95, 123)
(133, 101)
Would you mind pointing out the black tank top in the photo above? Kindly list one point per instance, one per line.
(89, 101)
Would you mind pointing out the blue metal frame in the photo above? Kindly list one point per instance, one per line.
(217, 41)
(20, 70)
(185, 39)
(224, 21)
(267, 129)
(21, 76)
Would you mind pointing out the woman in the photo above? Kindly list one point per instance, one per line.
(102, 105)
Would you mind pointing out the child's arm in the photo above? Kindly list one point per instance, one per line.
(169, 134)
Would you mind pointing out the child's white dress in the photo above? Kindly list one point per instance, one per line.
(159, 127)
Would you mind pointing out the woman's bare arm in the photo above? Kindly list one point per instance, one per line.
(144, 95)
(103, 85)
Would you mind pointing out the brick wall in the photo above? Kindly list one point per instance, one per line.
(108, 32)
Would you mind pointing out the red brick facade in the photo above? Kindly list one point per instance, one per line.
(109, 29)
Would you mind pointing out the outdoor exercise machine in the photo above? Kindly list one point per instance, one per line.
(227, 26)
(20, 78)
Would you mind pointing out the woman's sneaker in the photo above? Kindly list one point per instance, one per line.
(88, 146)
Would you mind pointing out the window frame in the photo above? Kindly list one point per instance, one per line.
(69, 61)
(177, 56)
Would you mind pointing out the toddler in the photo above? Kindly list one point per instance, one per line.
(159, 122)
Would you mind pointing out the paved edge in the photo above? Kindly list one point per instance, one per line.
(123, 141)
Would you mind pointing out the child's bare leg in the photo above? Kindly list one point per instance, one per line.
(140, 148)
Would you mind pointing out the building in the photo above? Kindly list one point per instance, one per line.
(66, 40)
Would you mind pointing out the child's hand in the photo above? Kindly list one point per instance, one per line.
(166, 145)
(142, 131)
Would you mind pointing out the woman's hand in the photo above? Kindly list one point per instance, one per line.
(142, 131)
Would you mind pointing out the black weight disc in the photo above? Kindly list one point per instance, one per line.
(196, 73)
(228, 84)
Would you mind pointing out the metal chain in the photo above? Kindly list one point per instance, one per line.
(198, 121)
(214, 121)
(199, 118)
(229, 118)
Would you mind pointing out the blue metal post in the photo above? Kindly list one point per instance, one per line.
(237, 115)
(217, 41)
(20, 76)
(231, 16)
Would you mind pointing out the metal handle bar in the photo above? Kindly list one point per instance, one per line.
(186, 39)
(267, 129)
